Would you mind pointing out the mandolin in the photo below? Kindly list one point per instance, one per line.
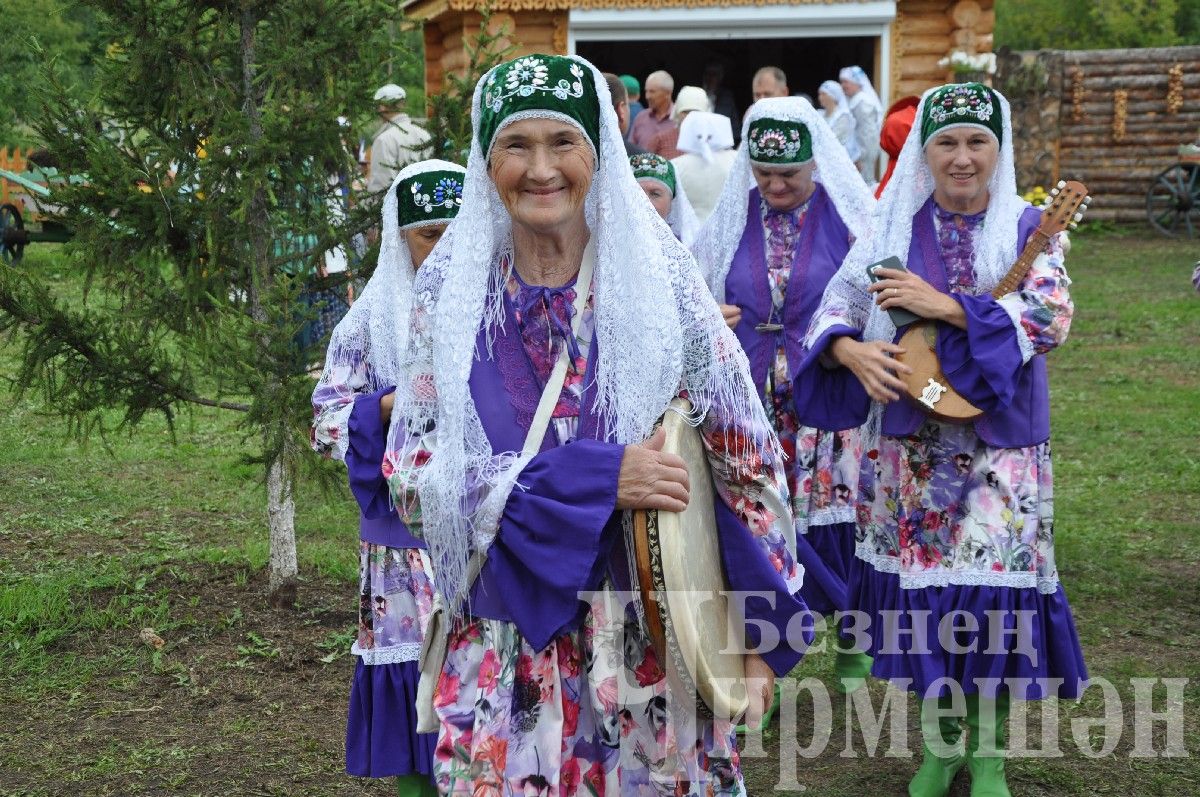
(927, 386)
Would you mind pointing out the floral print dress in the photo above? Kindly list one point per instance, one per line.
(588, 714)
(946, 508)
(395, 584)
(822, 467)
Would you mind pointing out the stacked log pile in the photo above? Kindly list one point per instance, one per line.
(1123, 115)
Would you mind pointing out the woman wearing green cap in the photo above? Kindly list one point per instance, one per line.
(785, 219)
(955, 573)
(351, 409)
(656, 176)
(558, 319)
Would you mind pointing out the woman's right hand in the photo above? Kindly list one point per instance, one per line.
(871, 365)
(732, 314)
(652, 479)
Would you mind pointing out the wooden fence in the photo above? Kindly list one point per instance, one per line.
(14, 160)
(1113, 119)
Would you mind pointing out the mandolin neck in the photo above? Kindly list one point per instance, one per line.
(1033, 247)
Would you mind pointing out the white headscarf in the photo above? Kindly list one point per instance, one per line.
(703, 133)
(656, 327)
(722, 231)
(867, 91)
(846, 300)
(375, 328)
(835, 90)
(682, 219)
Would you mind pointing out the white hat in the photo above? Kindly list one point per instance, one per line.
(691, 98)
(390, 93)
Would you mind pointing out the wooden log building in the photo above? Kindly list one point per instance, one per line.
(898, 42)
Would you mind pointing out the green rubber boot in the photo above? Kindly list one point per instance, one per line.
(415, 786)
(985, 748)
(851, 667)
(942, 751)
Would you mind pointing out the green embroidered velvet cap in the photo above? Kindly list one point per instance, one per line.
(962, 104)
(534, 86)
(779, 142)
(648, 166)
(431, 197)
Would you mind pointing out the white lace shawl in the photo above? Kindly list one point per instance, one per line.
(866, 92)
(656, 326)
(850, 141)
(682, 219)
(381, 311)
(722, 231)
(846, 301)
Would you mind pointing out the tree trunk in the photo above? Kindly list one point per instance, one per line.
(281, 515)
(282, 567)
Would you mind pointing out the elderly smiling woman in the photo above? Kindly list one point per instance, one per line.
(955, 559)
(558, 278)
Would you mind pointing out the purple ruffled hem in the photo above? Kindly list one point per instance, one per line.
(826, 552)
(381, 737)
(1042, 660)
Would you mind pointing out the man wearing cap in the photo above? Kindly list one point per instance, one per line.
(666, 142)
(399, 142)
(634, 91)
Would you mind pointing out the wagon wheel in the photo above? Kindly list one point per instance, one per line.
(12, 242)
(1173, 201)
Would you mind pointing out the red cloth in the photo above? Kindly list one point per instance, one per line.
(896, 125)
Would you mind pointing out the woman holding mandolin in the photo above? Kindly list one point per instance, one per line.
(955, 569)
(790, 208)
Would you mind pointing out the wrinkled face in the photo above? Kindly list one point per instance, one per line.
(849, 86)
(658, 97)
(658, 195)
(784, 187)
(421, 241)
(827, 101)
(767, 86)
(962, 160)
(542, 169)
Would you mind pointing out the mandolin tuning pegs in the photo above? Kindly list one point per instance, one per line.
(1072, 226)
(1078, 217)
(1087, 200)
(1061, 184)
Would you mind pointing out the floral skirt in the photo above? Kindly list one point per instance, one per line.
(588, 715)
(955, 572)
(395, 603)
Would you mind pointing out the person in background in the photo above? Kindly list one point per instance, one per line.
(634, 90)
(352, 406)
(656, 177)
(769, 81)
(657, 118)
(868, 119)
(896, 124)
(399, 142)
(837, 114)
(720, 98)
(620, 102)
(791, 208)
(706, 141)
(666, 142)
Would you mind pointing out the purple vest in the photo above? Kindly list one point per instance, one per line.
(823, 244)
(1026, 420)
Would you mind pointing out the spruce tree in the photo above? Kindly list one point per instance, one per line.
(214, 159)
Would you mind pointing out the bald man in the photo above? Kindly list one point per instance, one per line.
(657, 118)
(770, 81)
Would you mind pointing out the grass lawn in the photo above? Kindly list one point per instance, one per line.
(226, 696)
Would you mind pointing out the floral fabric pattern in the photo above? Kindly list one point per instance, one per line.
(588, 715)
(822, 467)
(395, 603)
(333, 401)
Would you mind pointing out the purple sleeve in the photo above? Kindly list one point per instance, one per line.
(984, 360)
(829, 398)
(748, 571)
(555, 537)
(364, 455)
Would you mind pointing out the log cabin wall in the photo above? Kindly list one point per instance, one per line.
(1113, 119)
(925, 31)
